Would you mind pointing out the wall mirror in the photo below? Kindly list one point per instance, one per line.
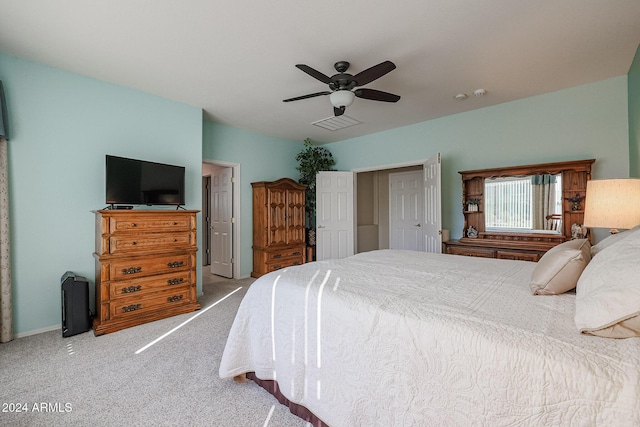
(523, 204)
(539, 203)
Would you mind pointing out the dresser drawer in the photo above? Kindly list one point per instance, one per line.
(284, 253)
(134, 306)
(477, 252)
(130, 268)
(522, 256)
(125, 243)
(149, 223)
(285, 262)
(145, 285)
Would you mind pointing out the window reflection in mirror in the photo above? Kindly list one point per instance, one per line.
(524, 204)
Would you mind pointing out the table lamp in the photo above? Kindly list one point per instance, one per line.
(612, 203)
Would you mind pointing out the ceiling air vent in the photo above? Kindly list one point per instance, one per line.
(336, 122)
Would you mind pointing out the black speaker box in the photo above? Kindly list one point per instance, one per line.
(76, 315)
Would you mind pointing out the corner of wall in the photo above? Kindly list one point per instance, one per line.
(633, 97)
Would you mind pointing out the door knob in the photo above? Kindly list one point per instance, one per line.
(418, 225)
(321, 226)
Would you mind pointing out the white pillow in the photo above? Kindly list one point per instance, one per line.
(608, 292)
(610, 240)
(560, 268)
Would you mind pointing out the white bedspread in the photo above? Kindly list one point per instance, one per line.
(400, 338)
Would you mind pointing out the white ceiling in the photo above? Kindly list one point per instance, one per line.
(235, 59)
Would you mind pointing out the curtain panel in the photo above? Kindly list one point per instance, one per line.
(6, 324)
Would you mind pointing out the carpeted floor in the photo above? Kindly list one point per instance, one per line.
(47, 380)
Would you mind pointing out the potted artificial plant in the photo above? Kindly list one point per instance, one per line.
(312, 160)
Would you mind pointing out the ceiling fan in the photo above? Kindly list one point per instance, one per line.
(345, 87)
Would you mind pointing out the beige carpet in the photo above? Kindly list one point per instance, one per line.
(47, 380)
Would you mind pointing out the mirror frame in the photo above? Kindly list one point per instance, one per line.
(575, 175)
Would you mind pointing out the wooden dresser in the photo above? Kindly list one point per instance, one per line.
(145, 267)
(278, 225)
(512, 245)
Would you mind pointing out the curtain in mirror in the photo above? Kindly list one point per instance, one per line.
(545, 196)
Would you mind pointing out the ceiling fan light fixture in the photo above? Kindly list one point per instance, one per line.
(342, 98)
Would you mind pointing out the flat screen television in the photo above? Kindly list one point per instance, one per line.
(139, 182)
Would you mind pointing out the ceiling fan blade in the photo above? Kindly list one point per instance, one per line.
(375, 72)
(314, 73)
(376, 95)
(311, 95)
(338, 111)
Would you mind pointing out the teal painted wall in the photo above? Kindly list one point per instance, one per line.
(261, 158)
(62, 125)
(584, 122)
(634, 116)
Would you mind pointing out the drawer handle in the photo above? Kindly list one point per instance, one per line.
(277, 267)
(133, 224)
(132, 307)
(134, 243)
(175, 281)
(131, 270)
(175, 240)
(131, 289)
(277, 256)
(174, 298)
(175, 264)
(175, 223)
(296, 263)
(297, 253)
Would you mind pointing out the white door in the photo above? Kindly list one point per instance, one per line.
(406, 211)
(432, 205)
(334, 215)
(221, 222)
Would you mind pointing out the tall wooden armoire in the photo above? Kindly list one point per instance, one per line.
(278, 225)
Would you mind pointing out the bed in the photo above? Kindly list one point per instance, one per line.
(402, 338)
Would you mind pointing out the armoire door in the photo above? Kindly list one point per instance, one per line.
(278, 212)
(295, 217)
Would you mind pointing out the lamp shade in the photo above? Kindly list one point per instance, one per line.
(612, 203)
(342, 98)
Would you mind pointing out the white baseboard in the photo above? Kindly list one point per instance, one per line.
(39, 331)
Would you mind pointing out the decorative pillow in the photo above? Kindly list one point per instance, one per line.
(608, 292)
(610, 240)
(560, 268)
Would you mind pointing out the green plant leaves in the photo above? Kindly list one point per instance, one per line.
(312, 160)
